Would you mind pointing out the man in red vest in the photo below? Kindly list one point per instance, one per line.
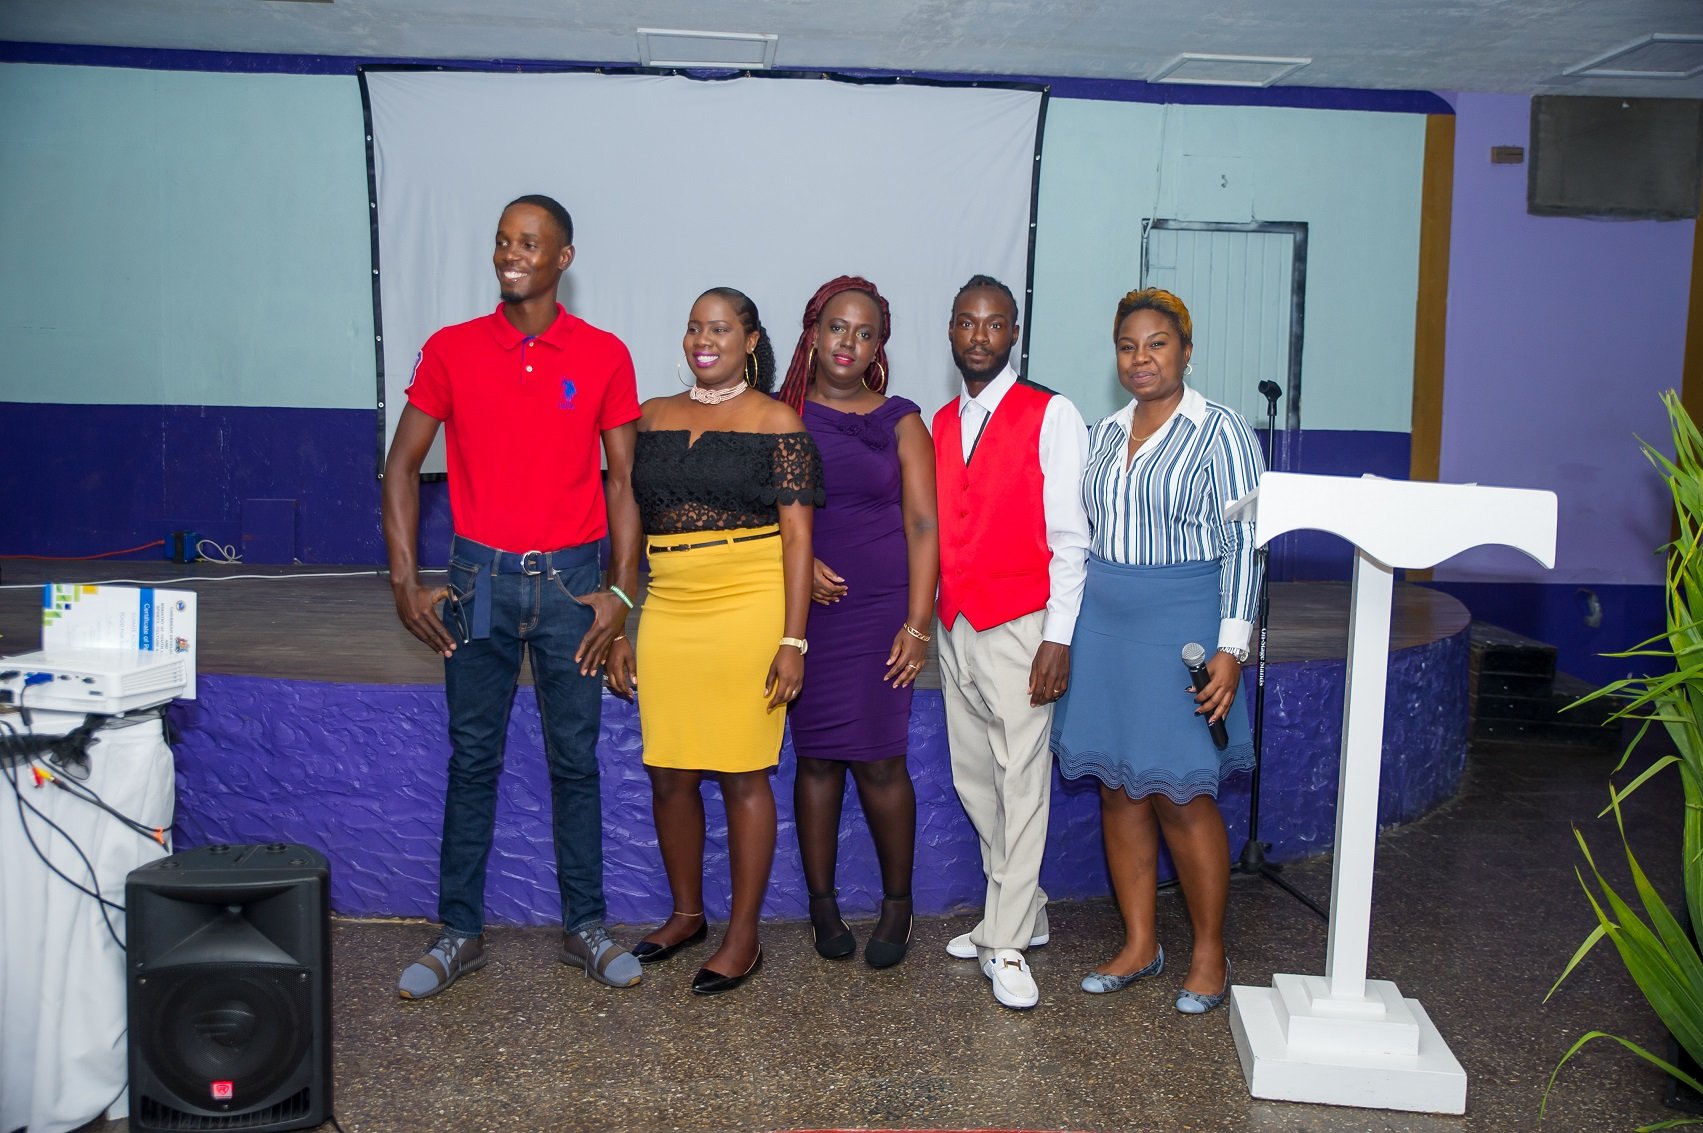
(1009, 457)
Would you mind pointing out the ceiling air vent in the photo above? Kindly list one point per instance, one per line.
(1227, 70)
(721, 50)
(1658, 56)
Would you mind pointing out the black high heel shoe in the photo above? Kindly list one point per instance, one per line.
(707, 982)
(838, 946)
(650, 952)
(879, 953)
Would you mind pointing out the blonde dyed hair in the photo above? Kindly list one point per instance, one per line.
(1156, 299)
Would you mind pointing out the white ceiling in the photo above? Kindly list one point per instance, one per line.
(1519, 46)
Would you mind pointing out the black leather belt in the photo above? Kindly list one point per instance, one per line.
(656, 550)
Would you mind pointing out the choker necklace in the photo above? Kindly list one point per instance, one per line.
(715, 396)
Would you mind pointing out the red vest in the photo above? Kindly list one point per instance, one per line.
(993, 528)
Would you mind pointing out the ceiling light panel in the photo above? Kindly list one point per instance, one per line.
(1227, 70)
(672, 47)
(1658, 56)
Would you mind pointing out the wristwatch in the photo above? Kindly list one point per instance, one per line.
(797, 643)
(1241, 655)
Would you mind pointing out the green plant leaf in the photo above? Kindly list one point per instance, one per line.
(1661, 1064)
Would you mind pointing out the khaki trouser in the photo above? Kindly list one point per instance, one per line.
(1002, 768)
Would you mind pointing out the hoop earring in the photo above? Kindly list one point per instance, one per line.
(1188, 368)
(810, 366)
(681, 374)
(880, 369)
(751, 369)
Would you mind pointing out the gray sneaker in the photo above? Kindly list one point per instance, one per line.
(590, 948)
(448, 959)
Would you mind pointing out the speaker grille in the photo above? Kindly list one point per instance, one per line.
(158, 1115)
(246, 1024)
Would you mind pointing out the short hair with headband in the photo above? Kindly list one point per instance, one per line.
(798, 374)
(1156, 299)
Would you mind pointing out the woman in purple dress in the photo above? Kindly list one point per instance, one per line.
(877, 560)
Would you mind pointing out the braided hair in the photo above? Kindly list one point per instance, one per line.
(750, 320)
(799, 375)
(1160, 300)
(980, 282)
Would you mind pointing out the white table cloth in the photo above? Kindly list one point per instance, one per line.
(62, 979)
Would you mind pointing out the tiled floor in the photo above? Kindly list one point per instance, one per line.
(1477, 911)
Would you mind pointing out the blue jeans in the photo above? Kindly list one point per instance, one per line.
(541, 613)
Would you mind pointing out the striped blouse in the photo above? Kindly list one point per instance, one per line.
(1168, 506)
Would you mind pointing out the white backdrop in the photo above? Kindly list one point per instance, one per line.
(771, 185)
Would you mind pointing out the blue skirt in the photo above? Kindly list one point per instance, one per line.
(1125, 718)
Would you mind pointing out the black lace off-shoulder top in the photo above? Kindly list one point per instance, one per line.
(722, 480)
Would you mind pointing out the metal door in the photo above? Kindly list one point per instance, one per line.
(1245, 286)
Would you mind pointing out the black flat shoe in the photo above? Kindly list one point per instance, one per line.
(707, 982)
(649, 952)
(841, 944)
(879, 953)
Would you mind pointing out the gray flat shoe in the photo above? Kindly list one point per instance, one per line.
(1099, 983)
(1194, 1003)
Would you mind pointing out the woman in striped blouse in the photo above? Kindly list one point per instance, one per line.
(1165, 569)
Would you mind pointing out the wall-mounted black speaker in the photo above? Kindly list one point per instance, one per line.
(230, 990)
(1632, 158)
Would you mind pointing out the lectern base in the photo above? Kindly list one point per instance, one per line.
(1426, 1078)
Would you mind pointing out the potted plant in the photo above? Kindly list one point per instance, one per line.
(1660, 950)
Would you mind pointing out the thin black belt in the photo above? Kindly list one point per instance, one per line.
(656, 550)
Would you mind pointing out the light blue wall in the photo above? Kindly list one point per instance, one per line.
(1353, 176)
(183, 238)
(202, 238)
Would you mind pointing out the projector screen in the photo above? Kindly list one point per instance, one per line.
(773, 184)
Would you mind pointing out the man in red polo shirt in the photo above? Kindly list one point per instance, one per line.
(525, 396)
(1009, 456)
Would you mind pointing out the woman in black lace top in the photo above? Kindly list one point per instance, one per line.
(726, 481)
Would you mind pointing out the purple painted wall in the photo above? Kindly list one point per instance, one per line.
(1562, 332)
(357, 771)
(125, 475)
(86, 479)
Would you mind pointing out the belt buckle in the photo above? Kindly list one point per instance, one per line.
(529, 563)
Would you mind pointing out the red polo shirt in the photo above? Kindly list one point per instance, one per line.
(523, 419)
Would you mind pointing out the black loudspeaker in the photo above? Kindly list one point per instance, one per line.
(230, 989)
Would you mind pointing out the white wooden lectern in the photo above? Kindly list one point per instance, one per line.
(1342, 1039)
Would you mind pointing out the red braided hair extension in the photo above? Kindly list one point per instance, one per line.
(798, 375)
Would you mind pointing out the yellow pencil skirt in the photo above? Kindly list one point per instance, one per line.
(712, 621)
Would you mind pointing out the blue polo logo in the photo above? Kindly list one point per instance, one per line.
(567, 401)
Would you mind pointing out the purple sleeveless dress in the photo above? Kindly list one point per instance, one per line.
(846, 710)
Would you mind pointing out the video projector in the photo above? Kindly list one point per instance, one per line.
(106, 682)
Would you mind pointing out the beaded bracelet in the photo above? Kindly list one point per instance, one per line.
(621, 594)
(925, 638)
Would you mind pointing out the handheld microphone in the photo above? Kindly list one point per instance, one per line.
(1271, 390)
(1194, 660)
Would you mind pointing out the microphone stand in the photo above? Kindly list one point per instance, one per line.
(1252, 860)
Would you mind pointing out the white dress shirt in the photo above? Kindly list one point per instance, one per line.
(1063, 454)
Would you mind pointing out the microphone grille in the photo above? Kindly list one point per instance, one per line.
(1193, 654)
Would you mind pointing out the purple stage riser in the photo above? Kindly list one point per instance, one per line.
(358, 772)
